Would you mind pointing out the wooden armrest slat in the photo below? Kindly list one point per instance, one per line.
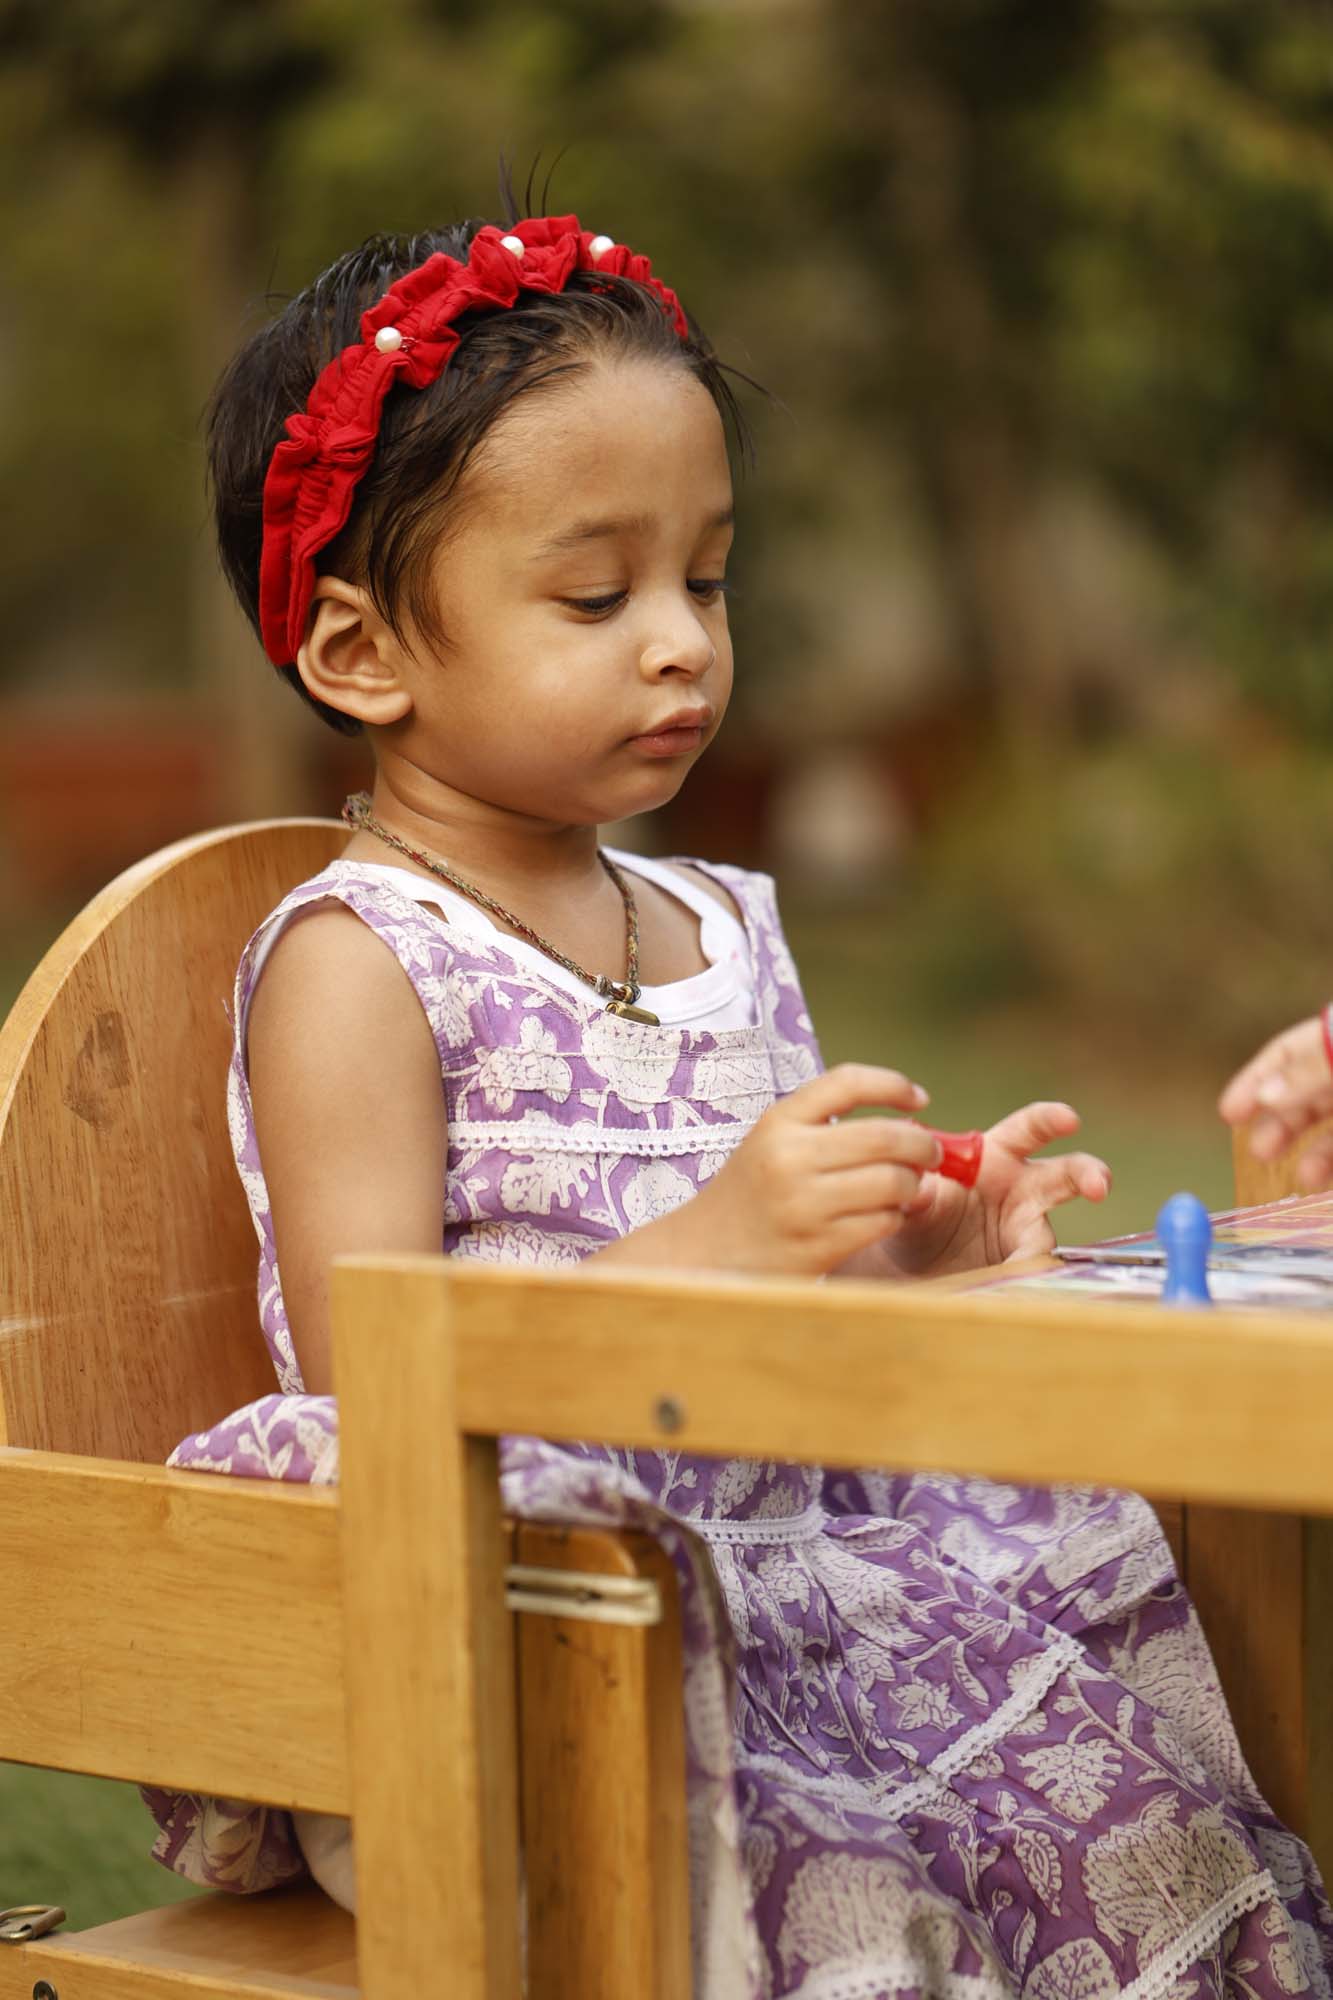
(1208, 1405)
(288, 1944)
(172, 1627)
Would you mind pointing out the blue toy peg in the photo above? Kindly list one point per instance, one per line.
(1185, 1231)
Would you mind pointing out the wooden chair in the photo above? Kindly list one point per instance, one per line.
(127, 1315)
(1263, 1584)
(128, 1320)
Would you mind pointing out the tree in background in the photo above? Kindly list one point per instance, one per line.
(1037, 284)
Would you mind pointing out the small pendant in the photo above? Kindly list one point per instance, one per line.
(628, 1013)
(623, 995)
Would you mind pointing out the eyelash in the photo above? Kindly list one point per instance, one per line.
(713, 586)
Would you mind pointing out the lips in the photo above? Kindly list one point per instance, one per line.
(685, 718)
(682, 736)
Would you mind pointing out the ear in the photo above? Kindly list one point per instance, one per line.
(350, 658)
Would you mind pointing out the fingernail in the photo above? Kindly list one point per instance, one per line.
(1272, 1091)
(921, 1096)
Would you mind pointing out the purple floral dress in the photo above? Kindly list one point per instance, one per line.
(946, 1737)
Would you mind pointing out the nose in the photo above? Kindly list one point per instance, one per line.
(681, 640)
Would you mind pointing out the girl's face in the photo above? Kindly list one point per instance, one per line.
(580, 592)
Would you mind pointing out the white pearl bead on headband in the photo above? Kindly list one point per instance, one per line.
(388, 340)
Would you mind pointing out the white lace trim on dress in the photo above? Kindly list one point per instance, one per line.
(1162, 1972)
(517, 1135)
(856, 1796)
(785, 1528)
(1157, 1978)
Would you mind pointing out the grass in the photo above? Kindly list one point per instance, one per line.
(84, 1842)
(80, 1842)
(1149, 1111)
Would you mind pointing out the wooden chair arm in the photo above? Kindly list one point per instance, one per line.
(1188, 1405)
(125, 1583)
(130, 1648)
(434, 1360)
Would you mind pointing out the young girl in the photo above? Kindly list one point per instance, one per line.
(473, 490)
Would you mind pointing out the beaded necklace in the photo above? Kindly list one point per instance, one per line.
(619, 994)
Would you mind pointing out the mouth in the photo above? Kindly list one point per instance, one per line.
(676, 736)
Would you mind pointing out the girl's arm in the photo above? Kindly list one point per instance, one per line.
(349, 1114)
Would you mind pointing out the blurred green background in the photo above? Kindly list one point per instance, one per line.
(1033, 718)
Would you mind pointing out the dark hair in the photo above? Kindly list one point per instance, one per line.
(427, 437)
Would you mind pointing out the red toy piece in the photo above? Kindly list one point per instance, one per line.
(962, 1155)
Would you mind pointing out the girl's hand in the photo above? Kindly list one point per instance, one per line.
(802, 1194)
(952, 1228)
(1285, 1089)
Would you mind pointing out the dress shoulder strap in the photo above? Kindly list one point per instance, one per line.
(420, 943)
(679, 880)
(782, 1007)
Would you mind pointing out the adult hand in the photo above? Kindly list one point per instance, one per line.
(1284, 1090)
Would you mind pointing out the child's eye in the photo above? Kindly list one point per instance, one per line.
(596, 605)
(705, 588)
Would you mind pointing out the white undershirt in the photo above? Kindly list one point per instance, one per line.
(722, 996)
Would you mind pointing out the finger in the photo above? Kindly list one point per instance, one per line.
(1273, 1131)
(1293, 1065)
(847, 1087)
(1071, 1177)
(1034, 1126)
(1295, 1102)
(1268, 1136)
(851, 1233)
(1087, 1177)
(1034, 1238)
(865, 1141)
(1240, 1098)
(865, 1189)
(1314, 1169)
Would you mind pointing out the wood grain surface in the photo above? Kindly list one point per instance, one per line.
(602, 1728)
(127, 1257)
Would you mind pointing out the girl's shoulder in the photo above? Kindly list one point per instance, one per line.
(333, 914)
(324, 926)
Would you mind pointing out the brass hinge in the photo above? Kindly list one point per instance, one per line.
(29, 1920)
(575, 1593)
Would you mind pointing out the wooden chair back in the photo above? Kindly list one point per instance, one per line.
(128, 1319)
(128, 1257)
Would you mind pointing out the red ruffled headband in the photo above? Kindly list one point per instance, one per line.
(408, 337)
